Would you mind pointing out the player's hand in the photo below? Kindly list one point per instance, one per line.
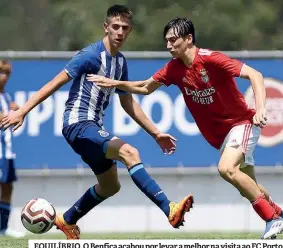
(14, 106)
(260, 119)
(101, 80)
(166, 142)
(15, 118)
(1, 116)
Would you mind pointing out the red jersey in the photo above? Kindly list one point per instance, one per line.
(210, 92)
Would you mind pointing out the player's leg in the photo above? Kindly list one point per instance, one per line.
(107, 186)
(6, 193)
(237, 149)
(5, 205)
(7, 177)
(87, 139)
(229, 169)
(117, 149)
(249, 170)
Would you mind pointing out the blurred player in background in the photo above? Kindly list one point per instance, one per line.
(206, 79)
(84, 131)
(7, 157)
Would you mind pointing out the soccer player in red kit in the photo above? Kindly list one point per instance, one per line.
(206, 80)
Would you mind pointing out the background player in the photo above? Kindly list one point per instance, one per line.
(84, 131)
(206, 79)
(7, 156)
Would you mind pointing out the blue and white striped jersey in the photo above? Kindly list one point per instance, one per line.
(6, 151)
(86, 100)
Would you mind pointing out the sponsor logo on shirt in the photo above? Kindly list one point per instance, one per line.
(201, 96)
(272, 133)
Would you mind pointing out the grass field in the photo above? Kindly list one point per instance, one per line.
(23, 243)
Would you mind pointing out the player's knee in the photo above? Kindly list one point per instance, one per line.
(6, 191)
(111, 189)
(228, 173)
(129, 155)
(7, 188)
(115, 188)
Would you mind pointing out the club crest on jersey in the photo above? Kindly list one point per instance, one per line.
(103, 133)
(204, 76)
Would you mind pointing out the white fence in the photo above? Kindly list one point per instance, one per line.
(275, 54)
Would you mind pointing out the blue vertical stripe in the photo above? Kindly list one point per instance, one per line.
(98, 105)
(108, 65)
(73, 95)
(100, 101)
(106, 103)
(85, 99)
(119, 69)
(3, 145)
(7, 98)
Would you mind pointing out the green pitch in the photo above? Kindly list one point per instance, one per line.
(23, 243)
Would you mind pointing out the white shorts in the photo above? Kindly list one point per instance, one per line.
(246, 136)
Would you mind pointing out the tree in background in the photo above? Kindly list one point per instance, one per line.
(72, 24)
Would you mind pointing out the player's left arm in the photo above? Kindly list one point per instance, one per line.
(236, 68)
(165, 141)
(257, 83)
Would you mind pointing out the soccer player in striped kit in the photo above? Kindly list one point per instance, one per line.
(7, 156)
(84, 131)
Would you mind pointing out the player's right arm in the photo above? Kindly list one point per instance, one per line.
(47, 90)
(16, 118)
(77, 66)
(162, 77)
(145, 87)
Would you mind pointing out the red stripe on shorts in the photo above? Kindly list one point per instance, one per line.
(247, 133)
(244, 136)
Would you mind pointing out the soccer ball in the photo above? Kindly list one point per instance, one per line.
(38, 216)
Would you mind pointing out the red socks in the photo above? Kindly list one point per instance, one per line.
(264, 208)
(277, 209)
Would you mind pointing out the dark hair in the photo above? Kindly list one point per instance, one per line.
(5, 66)
(119, 10)
(181, 28)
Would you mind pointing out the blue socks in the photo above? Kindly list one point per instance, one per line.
(4, 215)
(143, 181)
(88, 201)
(149, 187)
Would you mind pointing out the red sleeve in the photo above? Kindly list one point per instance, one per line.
(232, 66)
(164, 74)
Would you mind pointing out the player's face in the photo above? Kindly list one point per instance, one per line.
(3, 77)
(4, 73)
(176, 45)
(117, 30)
